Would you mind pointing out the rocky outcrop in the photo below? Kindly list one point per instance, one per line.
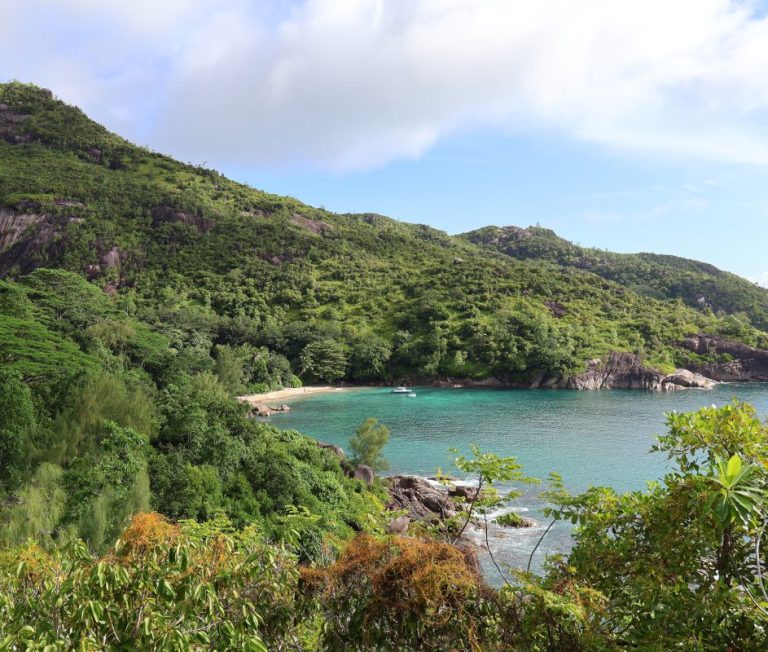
(166, 214)
(110, 259)
(513, 519)
(621, 370)
(336, 450)
(422, 500)
(24, 235)
(260, 410)
(685, 378)
(739, 362)
(318, 227)
(431, 502)
(364, 473)
(13, 226)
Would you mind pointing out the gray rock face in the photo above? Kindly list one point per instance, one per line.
(748, 364)
(110, 259)
(626, 371)
(13, 226)
(686, 378)
(364, 473)
(423, 500)
(23, 235)
(167, 214)
(619, 371)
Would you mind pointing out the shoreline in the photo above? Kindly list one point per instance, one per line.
(295, 393)
(292, 393)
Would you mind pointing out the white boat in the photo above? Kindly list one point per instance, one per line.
(402, 390)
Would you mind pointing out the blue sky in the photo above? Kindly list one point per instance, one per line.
(586, 193)
(632, 126)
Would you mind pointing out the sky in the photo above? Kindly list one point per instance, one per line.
(629, 126)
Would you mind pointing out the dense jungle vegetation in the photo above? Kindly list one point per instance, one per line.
(141, 507)
(242, 278)
(698, 284)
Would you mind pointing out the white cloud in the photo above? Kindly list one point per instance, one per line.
(356, 83)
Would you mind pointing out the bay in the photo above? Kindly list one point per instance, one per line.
(590, 438)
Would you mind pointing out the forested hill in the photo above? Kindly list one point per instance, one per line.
(700, 285)
(263, 288)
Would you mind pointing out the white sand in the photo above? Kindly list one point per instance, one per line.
(289, 393)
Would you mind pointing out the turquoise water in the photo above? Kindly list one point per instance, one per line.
(591, 438)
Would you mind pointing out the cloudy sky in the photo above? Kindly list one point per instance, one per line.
(627, 125)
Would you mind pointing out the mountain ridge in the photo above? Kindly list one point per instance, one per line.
(237, 267)
(659, 275)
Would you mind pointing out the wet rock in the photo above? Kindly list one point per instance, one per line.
(260, 410)
(422, 500)
(462, 491)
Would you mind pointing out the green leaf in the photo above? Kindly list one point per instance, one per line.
(734, 466)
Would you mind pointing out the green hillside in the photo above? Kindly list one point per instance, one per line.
(699, 285)
(208, 262)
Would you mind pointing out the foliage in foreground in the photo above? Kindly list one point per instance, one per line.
(678, 564)
(207, 587)
(673, 568)
(162, 587)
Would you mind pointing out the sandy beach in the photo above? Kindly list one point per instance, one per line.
(289, 393)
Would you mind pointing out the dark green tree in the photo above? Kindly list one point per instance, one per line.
(17, 429)
(324, 359)
(229, 368)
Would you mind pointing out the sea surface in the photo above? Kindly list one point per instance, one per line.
(590, 438)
